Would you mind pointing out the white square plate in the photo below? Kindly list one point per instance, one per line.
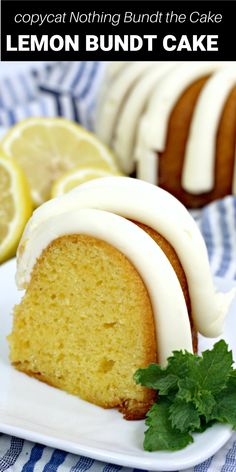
(32, 410)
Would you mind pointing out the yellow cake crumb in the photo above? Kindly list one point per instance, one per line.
(85, 324)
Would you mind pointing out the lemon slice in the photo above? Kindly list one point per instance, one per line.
(46, 148)
(78, 176)
(15, 206)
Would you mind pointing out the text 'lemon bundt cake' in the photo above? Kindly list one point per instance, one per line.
(175, 125)
(116, 277)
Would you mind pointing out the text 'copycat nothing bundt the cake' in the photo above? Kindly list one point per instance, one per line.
(117, 277)
(174, 124)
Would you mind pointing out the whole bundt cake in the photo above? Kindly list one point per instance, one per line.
(174, 124)
(116, 277)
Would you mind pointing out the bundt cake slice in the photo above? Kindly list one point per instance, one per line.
(116, 277)
(86, 323)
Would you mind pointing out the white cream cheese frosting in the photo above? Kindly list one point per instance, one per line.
(136, 107)
(199, 161)
(153, 126)
(148, 204)
(130, 113)
(170, 312)
(117, 89)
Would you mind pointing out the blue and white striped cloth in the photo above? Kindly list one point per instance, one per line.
(218, 226)
(17, 455)
(66, 89)
(70, 90)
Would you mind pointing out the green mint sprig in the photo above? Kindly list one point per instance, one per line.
(194, 392)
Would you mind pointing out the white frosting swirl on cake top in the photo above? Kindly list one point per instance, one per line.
(198, 171)
(168, 304)
(145, 203)
(130, 113)
(116, 92)
(199, 161)
(135, 112)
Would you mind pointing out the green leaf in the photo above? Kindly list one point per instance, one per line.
(225, 408)
(182, 363)
(157, 378)
(207, 378)
(167, 384)
(205, 403)
(184, 416)
(204, 425)
(160, 435)
(187, 389)
(149, 376)
(166, 380)
(232, 379)
(193, 393)
(215, 367)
